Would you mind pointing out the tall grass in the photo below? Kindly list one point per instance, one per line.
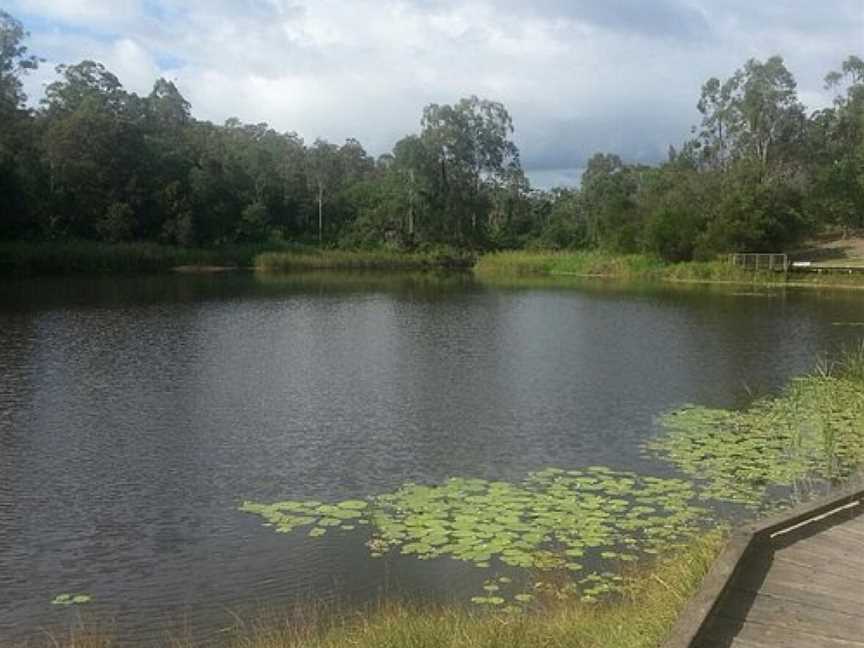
(69, 257)
(851, 364)
(362, 260)
(625, 266)
(641, 618)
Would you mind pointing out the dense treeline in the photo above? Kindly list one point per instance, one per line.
(96, 162)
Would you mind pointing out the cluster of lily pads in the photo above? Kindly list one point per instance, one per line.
(546, 522)
(558, 521)
(812, 433)
(71, 599)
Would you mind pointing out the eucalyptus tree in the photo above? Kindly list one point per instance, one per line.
(87, 81)
(715, 105)
(94, 147)
(770, 118)
(471, 143)
(608, 195)
(167, 109)
(415, 165)
(754, 115)
(836, 148)
(324, 170)
(15, 62)
(19, 173)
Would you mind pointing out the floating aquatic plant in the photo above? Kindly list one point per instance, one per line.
(547, 522)
(71, 599)
(814, 430)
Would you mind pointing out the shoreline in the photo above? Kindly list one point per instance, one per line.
(708, 282)
(31, 259)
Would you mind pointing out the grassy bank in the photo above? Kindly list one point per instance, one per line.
(77, 257)
(23, 258)
(642, 617)
(362, 260)
(639, 266)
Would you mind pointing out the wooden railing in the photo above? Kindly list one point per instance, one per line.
(760, 261)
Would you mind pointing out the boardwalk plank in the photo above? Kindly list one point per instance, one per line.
(799, 585)
(798, 582)
(852, 533)
(769, 636)
(849, 583)
(769, 610)
(829, 546)
(814, 564)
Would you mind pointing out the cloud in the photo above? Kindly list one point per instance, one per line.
(660, 18)
(578, 75)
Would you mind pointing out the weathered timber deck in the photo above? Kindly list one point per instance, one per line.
(794, 581)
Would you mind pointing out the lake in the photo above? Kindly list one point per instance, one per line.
(138, 413)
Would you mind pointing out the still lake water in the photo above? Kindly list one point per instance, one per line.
(136, 414)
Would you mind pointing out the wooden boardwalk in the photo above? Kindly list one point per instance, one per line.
(791, 582)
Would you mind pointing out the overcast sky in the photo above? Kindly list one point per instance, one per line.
(578, 76)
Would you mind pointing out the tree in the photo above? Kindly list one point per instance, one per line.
(836, 149)
(770, 116)
(15, 62)
(93, 148)
(753, 115)
(324, 169)
(167, 109)
(472, 146)
(608, 188)
(19, 172)
(415, 166)
(87, 82)
(716, 107)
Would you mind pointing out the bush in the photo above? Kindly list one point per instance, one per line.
(672, 234)
(117, 224)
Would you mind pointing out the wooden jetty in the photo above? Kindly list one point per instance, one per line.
(792, 581)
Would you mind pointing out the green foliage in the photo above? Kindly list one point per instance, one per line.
(672, 234)
(619, 266)
(77, 256)
(118, 223)
(583, 263)
(253, 223)
(71, 599)
(14, 63)
(648, 604)
(813, 431)
(371, 259)
(545, 523)
(97, 162)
